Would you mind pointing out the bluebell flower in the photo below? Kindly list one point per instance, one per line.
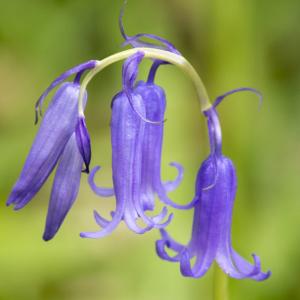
(155, 102)
(216, 186)
(54, 144)
(136, 137)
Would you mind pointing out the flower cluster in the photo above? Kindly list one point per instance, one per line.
(137, 126)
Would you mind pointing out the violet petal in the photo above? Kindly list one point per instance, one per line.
(100, 191)
(83, 142)
(168, 242)
(65, 187)
(170, 186)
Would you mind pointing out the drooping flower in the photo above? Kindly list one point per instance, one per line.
(151, 184)
(216, 186)
(155, 104)
(54, 144)
(136, 135)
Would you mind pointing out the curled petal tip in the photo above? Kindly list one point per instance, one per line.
(158, 225)
(160, 250)
(172, 185)
(185, 264)
(259, 275)
(162, 253)
(102, 222)
(100, 191)
(267, 275)
(256, 259)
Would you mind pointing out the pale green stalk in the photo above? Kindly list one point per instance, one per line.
(220, 283)
(170, 57)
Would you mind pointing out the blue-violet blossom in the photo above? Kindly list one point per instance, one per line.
(136, 135)
(54, 144)
(155, 101)
(216, 186)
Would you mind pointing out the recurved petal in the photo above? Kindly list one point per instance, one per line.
(160, 247)
(109, 227)
(100, 191)
(170, 243)
(157, 220)
(237, 267)
(200, 267)
(83, 142)
(161, 192)
(65, 188)
(131, 221)
(56, 129)
(173, 185)
(102, 222)
(245, 266)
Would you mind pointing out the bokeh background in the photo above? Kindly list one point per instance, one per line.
(231, 43)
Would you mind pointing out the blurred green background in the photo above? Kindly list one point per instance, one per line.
(231, 43)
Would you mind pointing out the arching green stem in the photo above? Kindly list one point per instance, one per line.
(170, 57)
